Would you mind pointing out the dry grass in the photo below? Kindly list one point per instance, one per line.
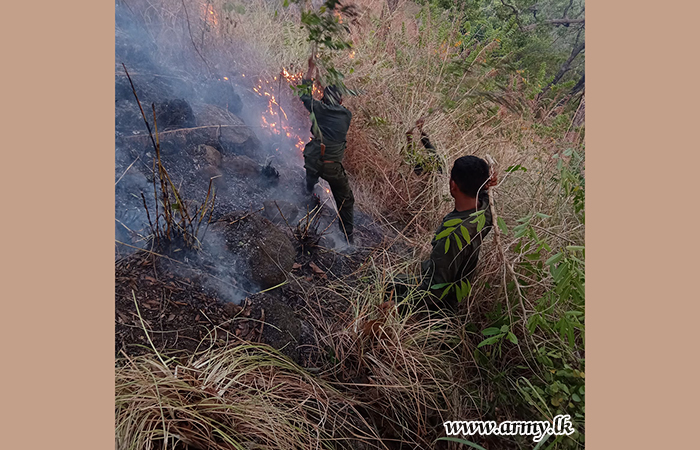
(247, 396)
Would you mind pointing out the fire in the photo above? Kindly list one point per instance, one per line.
(226, 78)
(213, 18)
(274, 118)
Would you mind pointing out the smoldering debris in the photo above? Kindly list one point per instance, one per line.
(245, 135)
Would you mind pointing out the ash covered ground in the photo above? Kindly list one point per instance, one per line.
(259, 244)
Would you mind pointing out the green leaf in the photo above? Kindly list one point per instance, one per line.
(515, 168)
(491, 331)
(512, 338)
(554, 259)
(489, 341)
(285, 3)
(481, 222)
(444, 233)
(502, 225)
(576, 398)
(459, 242)
(504, 328)
(447, 245)
(439, 286)
(465, 234)
(542, 215)
(452, 222)
(446, 291)
(466, 289)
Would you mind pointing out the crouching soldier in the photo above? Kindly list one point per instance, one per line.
(422, 160)
(452, 266)
(323, 155)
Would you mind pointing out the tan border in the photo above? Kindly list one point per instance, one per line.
(642, 214)
(58, 224)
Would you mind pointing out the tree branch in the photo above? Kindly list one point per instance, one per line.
(515, 13)
(556, 22)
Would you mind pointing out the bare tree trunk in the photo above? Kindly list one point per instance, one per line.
(579, 86)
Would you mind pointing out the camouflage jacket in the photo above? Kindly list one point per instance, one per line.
(333, 124)
(456, 264)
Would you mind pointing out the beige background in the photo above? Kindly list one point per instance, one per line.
(57, 72)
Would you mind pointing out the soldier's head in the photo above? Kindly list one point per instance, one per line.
(332, 96)
(469, 175)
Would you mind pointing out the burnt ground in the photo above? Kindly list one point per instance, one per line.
(182, 310)
(228, 291)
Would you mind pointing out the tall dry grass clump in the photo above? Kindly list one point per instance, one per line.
(247, 396)
(402, 366)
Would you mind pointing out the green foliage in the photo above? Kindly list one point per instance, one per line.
(327, 35)
(517, 40)
(496, 336)
(549, 274)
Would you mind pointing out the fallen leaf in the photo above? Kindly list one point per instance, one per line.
(317, 270)
(296, 266)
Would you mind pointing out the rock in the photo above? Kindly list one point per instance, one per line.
(207, 153)
(266, 251)
(231, 132)
(174, 114)
(212, 173)
(240, 166)
(289, 211)
(221, 93)
(208, 114)
(170, 115)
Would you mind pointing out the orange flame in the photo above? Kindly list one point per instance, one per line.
(274, 117)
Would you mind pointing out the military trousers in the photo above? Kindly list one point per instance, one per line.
(334, 174)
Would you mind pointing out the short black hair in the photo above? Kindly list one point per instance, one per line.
(469, 174)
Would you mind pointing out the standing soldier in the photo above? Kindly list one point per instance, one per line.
(323, 155)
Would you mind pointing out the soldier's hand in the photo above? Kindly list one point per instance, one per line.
(493, 181)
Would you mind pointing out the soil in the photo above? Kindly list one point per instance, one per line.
(182, 310)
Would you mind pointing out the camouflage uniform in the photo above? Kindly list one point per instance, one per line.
(422, 161)
(333, 123)
(456, 264)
